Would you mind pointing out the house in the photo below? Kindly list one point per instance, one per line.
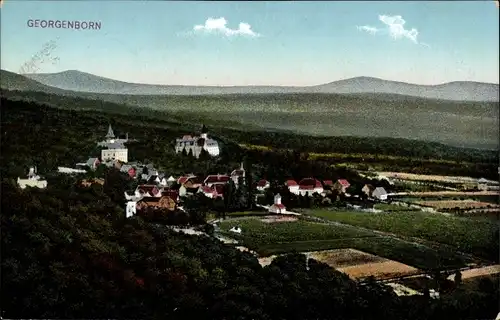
(310, 186)
(293, 186)
(262, 185)
(148, 190)
(172, 194)
(328, 183)
(379, 193)
(219, 190)
(183, 179)
(92, 163)
(131, 209)
(238, 173)
(368, 189)
(135, 197)
(162, 202)
(182, 191)
(196, 144)
(277, 207)
(216, 179)
(115, 151)
(131, 171)
(341, 185)
(213, 192)
(170, 181)
(33, 180)
(161, 179)
(88, 183)
(207, 192)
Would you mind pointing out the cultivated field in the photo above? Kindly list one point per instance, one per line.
(453, 193)
(269, 239)
(276, 219)
(461, 204)
(479, 272)
(357, 264)
(426, 177)
(477, 237)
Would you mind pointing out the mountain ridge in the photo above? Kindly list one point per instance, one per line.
(79, 81)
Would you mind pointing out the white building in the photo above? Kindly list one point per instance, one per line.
(115, 151)
(379, 193)
(131, 209)
(277, 207)
(33, 180)
(293, 186)
(115, 148)
(196, 144)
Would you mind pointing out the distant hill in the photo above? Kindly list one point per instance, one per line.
(458, 123)
(459, 90)
(14, 81)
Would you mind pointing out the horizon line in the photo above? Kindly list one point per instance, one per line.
(250, 85)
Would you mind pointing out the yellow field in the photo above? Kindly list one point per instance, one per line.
(462, 204)
(357, 264)
(426, 177)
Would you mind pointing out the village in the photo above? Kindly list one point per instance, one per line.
(157, 190)
(162, 193)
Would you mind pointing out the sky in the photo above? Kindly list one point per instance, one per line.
(257, 43)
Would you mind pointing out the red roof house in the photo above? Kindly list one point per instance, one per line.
(310, 186)
(328, 183)
(277, 207)
(342, 185)
(262, 185)
(216, 179)
(219, 190)
(149, 190)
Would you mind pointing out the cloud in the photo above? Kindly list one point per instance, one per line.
(368, 29)
(395, 27)
(219, 25)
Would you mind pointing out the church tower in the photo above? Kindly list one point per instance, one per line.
(204, 132)
(110, 134)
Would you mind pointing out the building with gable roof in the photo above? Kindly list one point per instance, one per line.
(309, 186)
(277, 207)
(341, 185)
(263, 185)
(379, 193)
(196, 144)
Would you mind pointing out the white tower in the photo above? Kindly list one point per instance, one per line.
(277, 199)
